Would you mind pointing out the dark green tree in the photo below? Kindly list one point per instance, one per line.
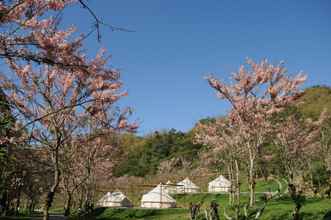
(6, 160)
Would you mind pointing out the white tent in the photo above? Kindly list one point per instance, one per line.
(187, 186)
(158, 198)
(220, 184)
(115, 199)
(170, 187)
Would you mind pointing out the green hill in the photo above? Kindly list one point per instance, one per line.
(144, 156)
(314, 100)
(167, 150)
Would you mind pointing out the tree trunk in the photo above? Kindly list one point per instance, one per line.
(251, 183)
(18, 201)
(31, 206)
(296, 197)
(81, 198)
(67, 206)
(4, 202)
(296, 213)
(231, 190)
(50, 195)
(48, 204)
(237, 190)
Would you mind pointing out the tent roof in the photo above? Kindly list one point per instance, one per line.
(103, 198)
(188, 183)
(158, 195)
(169, 182)
(117, 196)
(220, 179)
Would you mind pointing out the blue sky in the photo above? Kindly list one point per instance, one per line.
(177, 42)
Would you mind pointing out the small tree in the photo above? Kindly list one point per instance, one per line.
(254, 95)
(222, 136)
(9, 167)
(325, 151)
(297, 141)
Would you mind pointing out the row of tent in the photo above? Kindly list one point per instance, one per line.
(160, 197)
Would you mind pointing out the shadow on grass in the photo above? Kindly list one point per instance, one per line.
(327, 216)
(287, 198)
(122, 213)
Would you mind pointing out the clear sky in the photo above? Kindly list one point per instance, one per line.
(177, 42)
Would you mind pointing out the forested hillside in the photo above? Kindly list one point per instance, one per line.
(144, 155)
(174, 150)
(314, 101)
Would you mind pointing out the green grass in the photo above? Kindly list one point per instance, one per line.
(22, 216)
(313, 209)
(278, 209)
(15, 218)
(56, 210)
(183, 200)
(262, 186)
(146, 214)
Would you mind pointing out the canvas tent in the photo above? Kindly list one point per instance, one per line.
(115, 199)
(187, 186)
(158, 198)
(220, 184)
(170, 187)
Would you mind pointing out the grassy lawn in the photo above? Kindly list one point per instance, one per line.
(312, 210)
(146, 214)
(263, 186)
(278, 209)
(16, 218)
(183, 200)
(21, 217)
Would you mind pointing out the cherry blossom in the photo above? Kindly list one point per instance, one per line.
(257, 91)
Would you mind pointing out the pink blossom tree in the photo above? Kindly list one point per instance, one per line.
(298, 141)
(222, 136)
(255, 93)
(94, 162)
(50, 82)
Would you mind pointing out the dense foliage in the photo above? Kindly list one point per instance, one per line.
(146, 153)
(143, 155)
(59, 95)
